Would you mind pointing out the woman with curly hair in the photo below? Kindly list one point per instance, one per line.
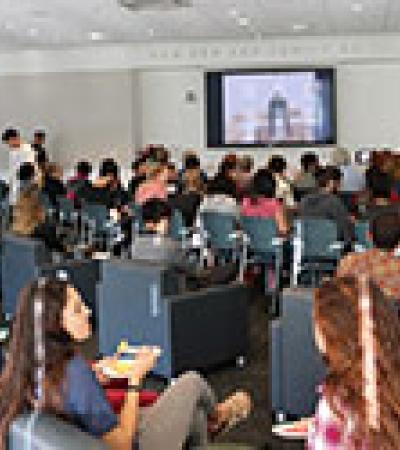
(357, 330)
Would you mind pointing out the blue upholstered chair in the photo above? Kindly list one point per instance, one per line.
(266, 248)
(362, 241)
(317, 248)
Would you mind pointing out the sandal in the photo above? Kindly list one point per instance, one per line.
(239, 406)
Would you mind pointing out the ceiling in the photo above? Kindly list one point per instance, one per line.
(53, 23)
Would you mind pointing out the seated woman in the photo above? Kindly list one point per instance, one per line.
(262, 202)
(155, 187)
(357, 330)
(192, 189)
(73, 391)
(29, 219)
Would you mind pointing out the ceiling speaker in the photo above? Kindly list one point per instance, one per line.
(143, 5)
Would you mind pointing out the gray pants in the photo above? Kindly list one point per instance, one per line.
(179, 416)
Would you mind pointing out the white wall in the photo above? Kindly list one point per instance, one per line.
(87, 115)
(109, 99)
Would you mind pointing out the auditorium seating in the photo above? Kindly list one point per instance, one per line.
(141, 303)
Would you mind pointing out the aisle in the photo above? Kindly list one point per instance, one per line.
(254, 378)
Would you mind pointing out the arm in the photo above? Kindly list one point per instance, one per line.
(122, 436)
(281, 222)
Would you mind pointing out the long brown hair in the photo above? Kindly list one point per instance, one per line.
(17, 380)
(337, 318)
(28, 212)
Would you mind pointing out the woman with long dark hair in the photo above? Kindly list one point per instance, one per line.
(72, 391)
(358, 331)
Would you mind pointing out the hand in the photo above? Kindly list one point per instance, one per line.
(145, 360)
(98, 369)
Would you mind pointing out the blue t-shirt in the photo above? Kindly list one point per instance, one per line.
(85, 401)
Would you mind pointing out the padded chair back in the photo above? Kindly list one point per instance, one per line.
(177, 231)
(98, 214)
(318, 238)
(361, 231)
(66, 208)
(219, 228)
(262, 234)
(50, 433)
(21, 260)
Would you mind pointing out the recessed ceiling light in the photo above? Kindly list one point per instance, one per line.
(300, 27)
(233, 12)
(9, 26)
(151, 32)
(244, 21)
(357, 7)
(96, 36)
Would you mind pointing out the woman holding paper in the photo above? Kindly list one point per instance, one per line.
(46, 372)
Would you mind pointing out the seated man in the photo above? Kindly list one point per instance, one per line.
(325, 204)
(154, 245)
(381, 263)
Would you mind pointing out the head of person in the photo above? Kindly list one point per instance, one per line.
(246, 165)
(28, 212)
(65, 323)
(83, 169)
(264, 185)
(309, 162)
(385, 231)
(26, 173)
(11, 137)
(341, 157)
(229, 167)
(156, 216)
(380, 186)
(159, 173)
(109, 170)
(277, 165)
(328, 179)
(338, 332)
(39, 138)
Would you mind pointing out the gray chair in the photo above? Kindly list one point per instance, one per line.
(196, 330)
(50, 433)
(296, 366)
(21, 259)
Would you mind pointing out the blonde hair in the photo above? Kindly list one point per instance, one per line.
(28, 212)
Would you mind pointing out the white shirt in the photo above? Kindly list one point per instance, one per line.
(17, 157)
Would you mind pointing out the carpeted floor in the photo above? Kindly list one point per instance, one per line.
(254, 378)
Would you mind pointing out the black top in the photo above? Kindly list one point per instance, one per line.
(47, 232)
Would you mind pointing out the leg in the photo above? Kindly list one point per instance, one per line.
(180, 415)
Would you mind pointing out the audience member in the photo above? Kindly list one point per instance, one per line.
(353, 177)
(139, 175)
(326, 205)
(380, 190)
(53, 185)
(381, 264)
(107, 189)
(245, 175)
(155, 187)
(20, 152)
(80, 181)
(357, 331)
(29, 219)
(26, 177)
(192, 188)
(220, 197)
(73, 391)
(227, 175)
(306, 179)
(262, 202)
(284, 191)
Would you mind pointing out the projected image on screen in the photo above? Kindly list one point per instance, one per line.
(276, 107)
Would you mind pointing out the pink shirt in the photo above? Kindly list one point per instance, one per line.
(261, 207)
(150, 190)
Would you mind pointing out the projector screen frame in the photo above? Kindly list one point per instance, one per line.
(209, 118)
